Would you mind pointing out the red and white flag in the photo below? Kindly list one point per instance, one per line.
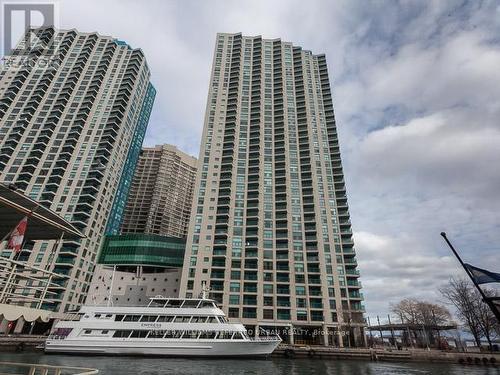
(17, 235)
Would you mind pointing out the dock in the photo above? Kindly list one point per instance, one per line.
(381, 354)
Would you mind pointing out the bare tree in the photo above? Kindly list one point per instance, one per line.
(486, 319)
(406, 310)
(431, 314)
(418, 312)
(423, 314)
(467, 301)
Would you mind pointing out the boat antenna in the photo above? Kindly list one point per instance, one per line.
(204, 290)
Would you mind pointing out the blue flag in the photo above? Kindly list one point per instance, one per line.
(481, 276)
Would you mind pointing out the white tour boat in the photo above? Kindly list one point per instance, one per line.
(166, 326)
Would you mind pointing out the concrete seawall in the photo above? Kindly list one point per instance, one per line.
(21, 342)
(416, 355)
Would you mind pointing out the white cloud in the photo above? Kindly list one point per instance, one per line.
(397, 267)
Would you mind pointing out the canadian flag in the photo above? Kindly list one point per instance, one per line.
(17, 235)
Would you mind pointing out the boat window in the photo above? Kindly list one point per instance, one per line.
(212, 319)
(131, 318)
(97, 315)
(191, 335)
(224, 335)
(87, 332)
(190, 303)
(148, 318)
(174, 303)
(237, 336)
(139, 334)
(182, 319)
(170, 334)
(165, 318)
(119, 318)
(157, 334)
(198, 319)
(207, 304)
(104, 332)
(208, 335)
(222, 319)
(122, 333)
(61, 332)
(156, 303)
(109, 315)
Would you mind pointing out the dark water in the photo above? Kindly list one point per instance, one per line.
(281, 366)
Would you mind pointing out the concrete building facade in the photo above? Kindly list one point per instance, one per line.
(161, 193)
(69, 136)
(270, 229)
(134, 267)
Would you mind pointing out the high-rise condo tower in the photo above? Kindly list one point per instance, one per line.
(270, 230)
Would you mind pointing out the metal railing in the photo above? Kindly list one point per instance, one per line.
(266, 338)
(23, 284)
(41, 369)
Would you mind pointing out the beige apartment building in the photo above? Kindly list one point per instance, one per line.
(270, 229)
(154, 228)
(161, 193)
(70, 135)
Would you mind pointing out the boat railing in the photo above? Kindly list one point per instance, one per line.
(32, 369)
(266, 338)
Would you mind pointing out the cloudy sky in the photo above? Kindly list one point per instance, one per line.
(417, 95)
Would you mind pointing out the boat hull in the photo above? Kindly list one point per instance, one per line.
(253, 348)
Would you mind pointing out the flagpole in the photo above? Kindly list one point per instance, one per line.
(485, 298)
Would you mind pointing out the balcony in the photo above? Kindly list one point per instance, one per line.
(315, 304)
(283, 277)
(69, 251)
(282, 290)
(315, 291)
(283, 302)
(250, 275)
(62, 270)
(250, 288)
(217, 274)
(351, 272)
(283, 314)
(345, 223)
(219, 262)
(64, 262)
(347, 242)
(91, 190)
(357, 307)
(351, 261)
(355, 294)
(282, 267)
(313, 279)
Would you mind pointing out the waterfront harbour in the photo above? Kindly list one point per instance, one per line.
(178, 366)
(325, 203)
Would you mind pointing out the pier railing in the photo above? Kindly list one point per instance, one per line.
(13, 368)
